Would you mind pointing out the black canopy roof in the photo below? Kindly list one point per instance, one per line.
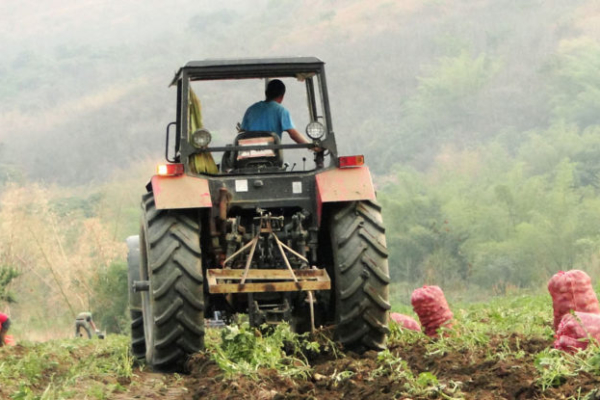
(249, 68)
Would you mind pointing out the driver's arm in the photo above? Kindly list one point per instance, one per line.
(297, 136)
(300, 138)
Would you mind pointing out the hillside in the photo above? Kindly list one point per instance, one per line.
(86, 84)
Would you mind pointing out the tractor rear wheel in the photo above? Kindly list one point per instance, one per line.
(138, 341)
(361, 276)
(173, 306)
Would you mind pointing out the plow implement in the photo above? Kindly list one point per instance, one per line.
(266, 280)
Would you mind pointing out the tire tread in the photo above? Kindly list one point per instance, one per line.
(361, 276)
(176, 298)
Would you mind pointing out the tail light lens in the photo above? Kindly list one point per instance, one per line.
(351, 161)
(169, 169)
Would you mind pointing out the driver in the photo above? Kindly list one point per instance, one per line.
(269, 115)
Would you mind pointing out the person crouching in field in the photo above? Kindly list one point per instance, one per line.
(4, 325)
(84, 320)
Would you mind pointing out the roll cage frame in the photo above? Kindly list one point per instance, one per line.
(302, 68)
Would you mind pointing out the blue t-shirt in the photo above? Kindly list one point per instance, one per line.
(267, 116)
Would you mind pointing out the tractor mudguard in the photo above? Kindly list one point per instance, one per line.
(173, 192)
(340, 185)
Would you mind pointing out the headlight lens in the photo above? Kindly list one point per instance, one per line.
(201, 138)
(315, 130)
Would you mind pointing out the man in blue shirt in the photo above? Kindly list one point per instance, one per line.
(270, 115)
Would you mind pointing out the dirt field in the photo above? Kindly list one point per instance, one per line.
(467, 375)
(461, 376)
(503, 369)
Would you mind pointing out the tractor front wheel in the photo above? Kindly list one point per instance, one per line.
(138, 341)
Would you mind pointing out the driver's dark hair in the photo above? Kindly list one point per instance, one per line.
(275, 88)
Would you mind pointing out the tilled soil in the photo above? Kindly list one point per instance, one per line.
(466, 375)
(481, 372)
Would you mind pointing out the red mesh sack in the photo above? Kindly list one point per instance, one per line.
(432, 308)
(574, 331)
(9, 340)
(572, 291)
(405, 321)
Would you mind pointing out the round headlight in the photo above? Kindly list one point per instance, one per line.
(315, 130)
(201, 138)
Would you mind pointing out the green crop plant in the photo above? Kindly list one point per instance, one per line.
(554, 367)
(321, 341)
(592, 395)
(245, 350)
(46, 371)
(426, 384)
(98, 392)
(402, 337)
(590, 360)
(23, 392)
(391, 366)
(503, 351)
(525, 314)
(460, 338)
(339, 377)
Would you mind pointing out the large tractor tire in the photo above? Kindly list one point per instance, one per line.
(361, 276)
(173, 307)
(138, 341)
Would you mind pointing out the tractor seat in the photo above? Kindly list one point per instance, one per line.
(257, 158)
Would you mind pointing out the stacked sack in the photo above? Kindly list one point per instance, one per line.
(432, 308)
(572, 291)
(405, 322)
(575, 330)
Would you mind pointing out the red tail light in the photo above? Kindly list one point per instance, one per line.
(351, 161)
(169, 169)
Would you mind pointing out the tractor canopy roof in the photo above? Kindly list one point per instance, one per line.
(299, 67)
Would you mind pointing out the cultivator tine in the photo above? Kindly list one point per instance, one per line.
(285, 259)
(292, 251)
(311, 301)
(249, 262)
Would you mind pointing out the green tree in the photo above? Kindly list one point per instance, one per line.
(110, 298)
(7, 274)
(575, 82)
(441, 110)
(424, 246)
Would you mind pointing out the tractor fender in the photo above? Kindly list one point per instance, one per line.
(342, 185)
(183, 191)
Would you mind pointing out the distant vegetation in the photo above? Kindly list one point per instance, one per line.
(508, 210)
(67, 246)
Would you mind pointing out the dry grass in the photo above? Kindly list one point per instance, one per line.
(58, 240)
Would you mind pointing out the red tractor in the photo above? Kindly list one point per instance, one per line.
(252, 235)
